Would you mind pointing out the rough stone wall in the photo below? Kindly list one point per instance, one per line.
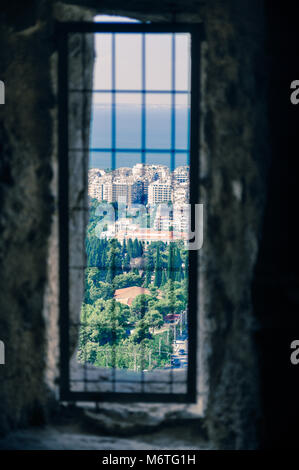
(234, 166)
(28, 191)
(26, 211)
(234, 162)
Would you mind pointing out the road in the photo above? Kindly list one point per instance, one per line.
(177, 346)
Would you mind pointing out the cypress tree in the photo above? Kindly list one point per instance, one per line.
(177, 264)
(164, 278)
(148, 277)
(170, 263)
(110, 274)
(126, 264)
(130, 248)
(135, 248)
(140, 249)
(158, 269)
(177, 276)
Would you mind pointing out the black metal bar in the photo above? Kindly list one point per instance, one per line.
(172, 164)
(85, 176)
(150, 382)
(173, 59)
(113, 106)
(143, 109)
(159, 28)
(63, 212)
(143, 160)
(124, 150)
(143, 91)
(113, 166)
(128, 397)
(194, 198)
(104, 268)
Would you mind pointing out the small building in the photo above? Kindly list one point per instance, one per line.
(128, 294)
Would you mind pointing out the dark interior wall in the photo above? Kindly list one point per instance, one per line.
(275, 288)
(239, 55)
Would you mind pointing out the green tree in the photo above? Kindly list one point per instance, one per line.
(158, 269)
(126, 263)
(148, 277)
(130, 248)
(127, 280)
(139, 305)
(136, 249)
(154, 318)
(141, 331)
(164, 278)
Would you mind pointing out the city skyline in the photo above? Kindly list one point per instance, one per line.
(153, 202)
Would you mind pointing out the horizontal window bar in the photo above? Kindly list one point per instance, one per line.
(137, 382)
(134, 150)
(88, 90)
(125, 396)
(172, 269)
(93, 27)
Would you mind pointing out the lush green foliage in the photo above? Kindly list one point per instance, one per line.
(114, 334)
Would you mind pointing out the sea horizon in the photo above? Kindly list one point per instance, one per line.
(128, 136)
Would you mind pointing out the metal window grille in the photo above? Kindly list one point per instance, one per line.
(112, 384)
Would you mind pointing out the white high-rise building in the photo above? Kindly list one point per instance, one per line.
(159, 191)
(181, 217)
(164, 217)
(107, 191)
(95, 191)
(122, 192)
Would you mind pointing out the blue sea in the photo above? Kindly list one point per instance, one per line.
(128, 136)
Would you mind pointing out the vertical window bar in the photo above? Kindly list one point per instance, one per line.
(194, 194)
(113, 166)
(63, 175)
(173, 96)
(143, 160)
(172, 167)
(84, 213)
(113, 104)
(143, 112)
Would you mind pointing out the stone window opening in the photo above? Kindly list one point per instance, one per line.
(78, 111)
